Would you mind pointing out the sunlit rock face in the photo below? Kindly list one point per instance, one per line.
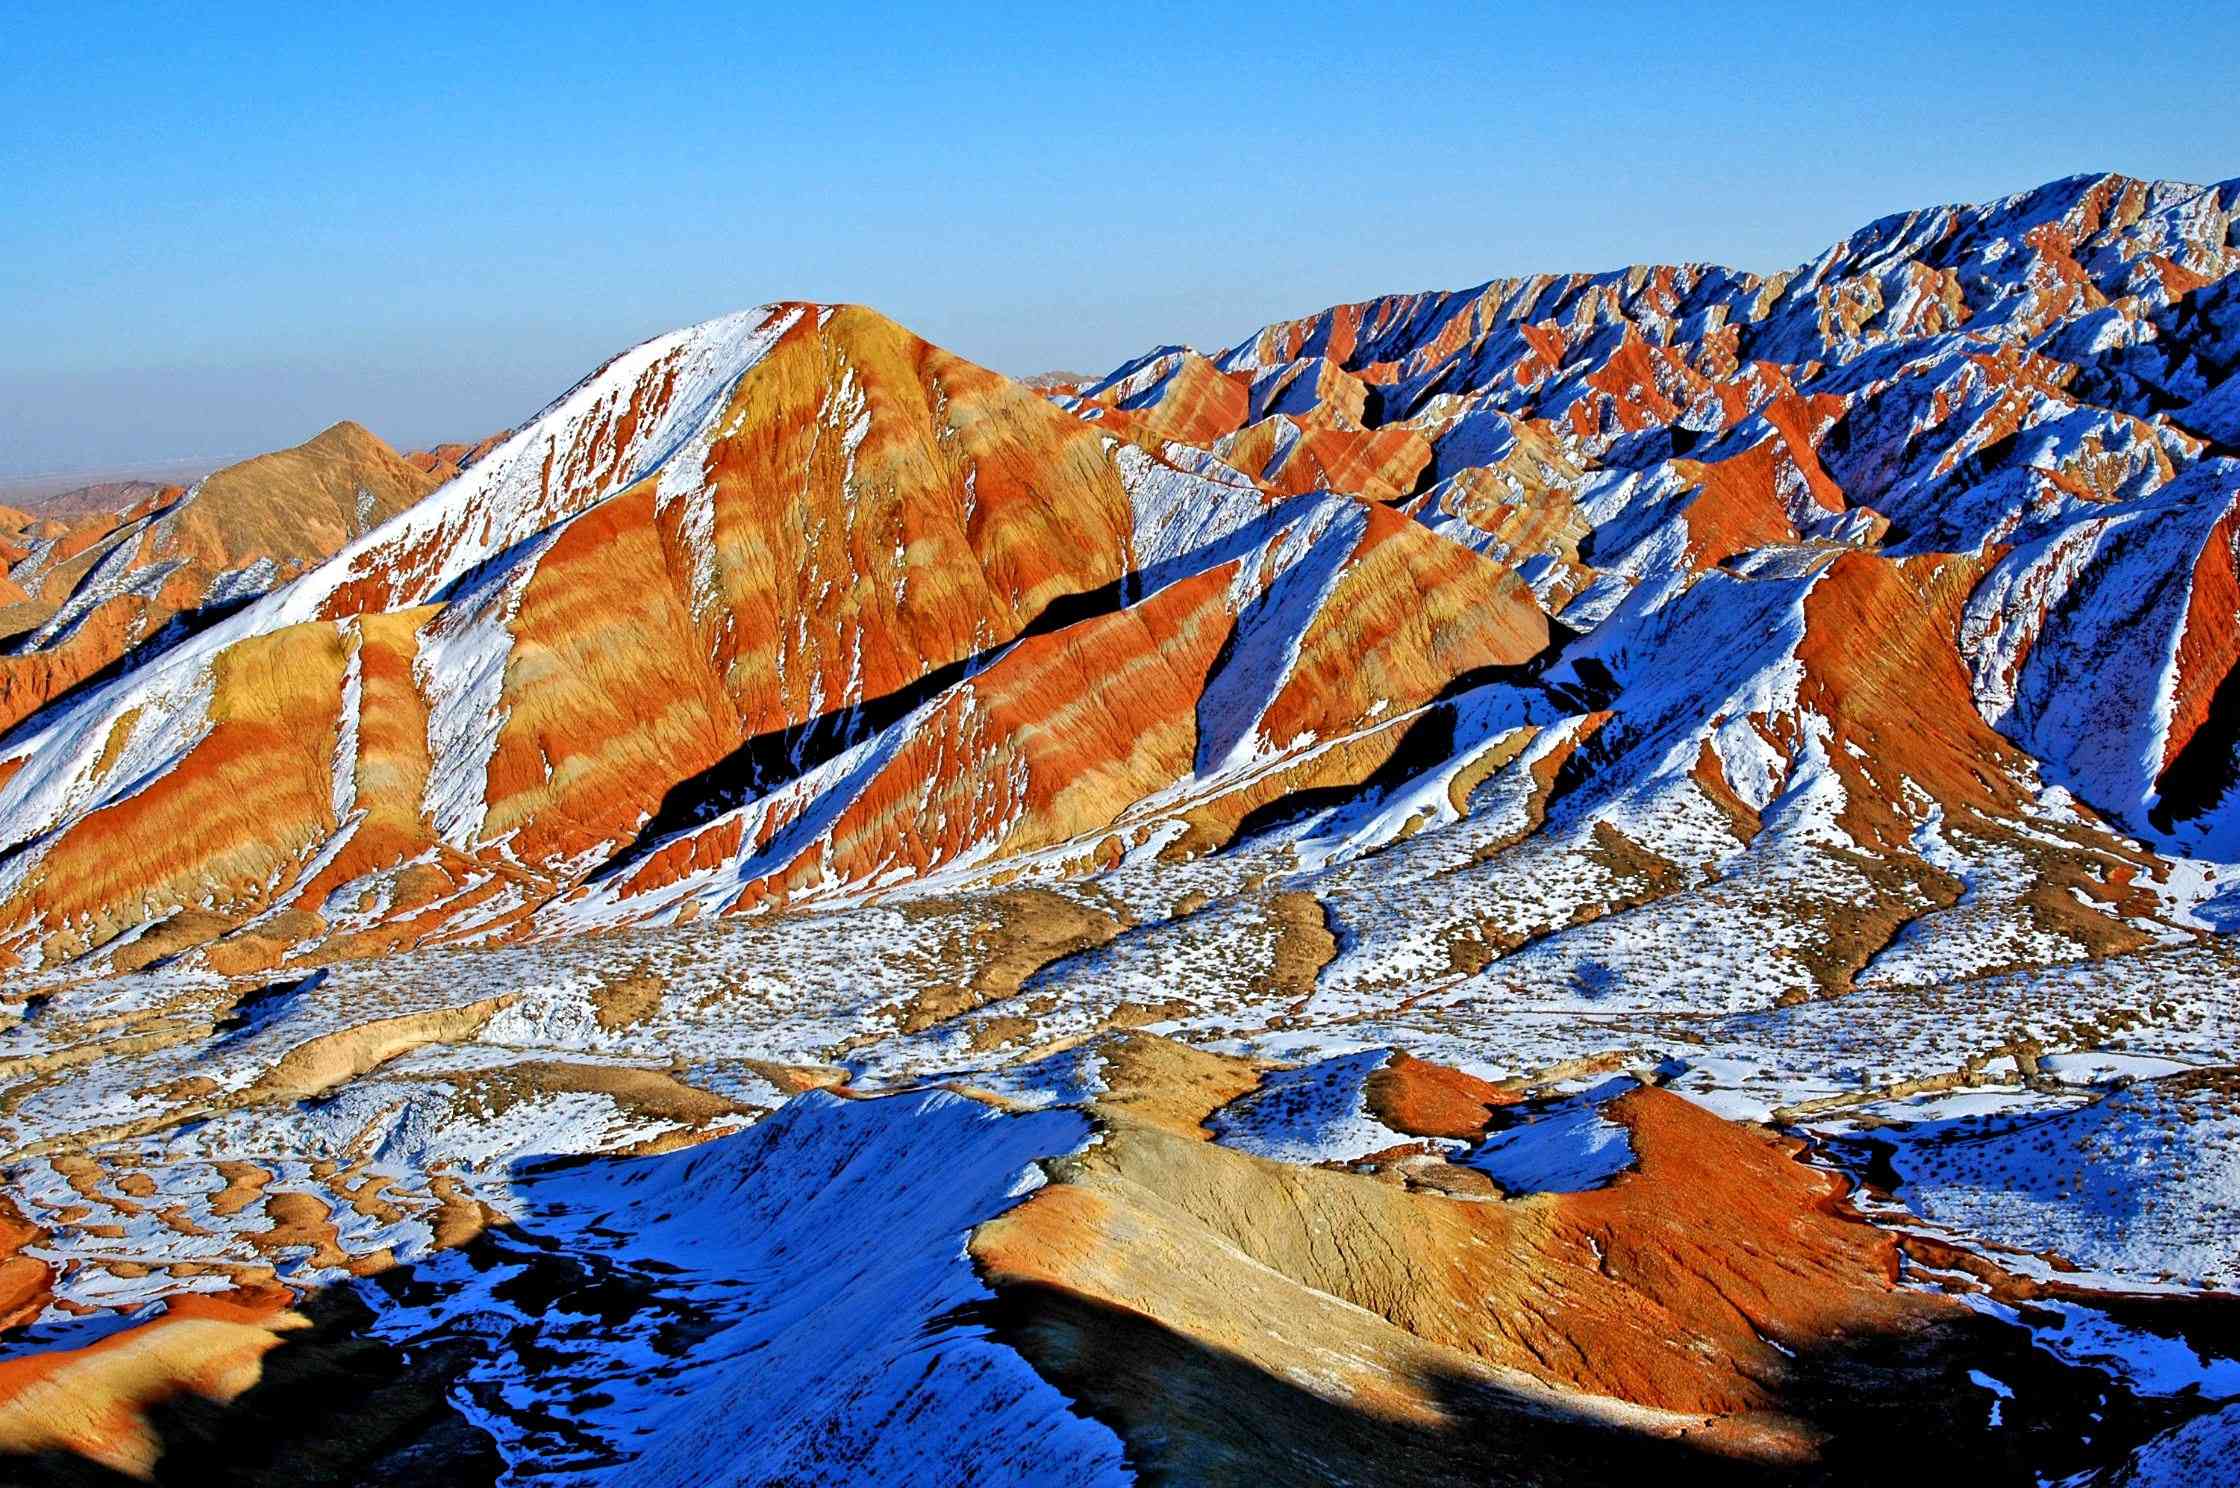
(784, 608)
(1599, 873)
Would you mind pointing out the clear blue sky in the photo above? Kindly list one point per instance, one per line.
(223, 227)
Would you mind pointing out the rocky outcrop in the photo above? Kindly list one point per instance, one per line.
(1230, 1316)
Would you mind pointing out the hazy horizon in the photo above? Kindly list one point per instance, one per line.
(228, 232)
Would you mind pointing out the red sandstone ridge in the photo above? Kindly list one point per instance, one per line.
(902, 614)
(864, 578)
(974, 626)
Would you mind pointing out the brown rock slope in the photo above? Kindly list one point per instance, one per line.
(1235, 1318)
(87, 590)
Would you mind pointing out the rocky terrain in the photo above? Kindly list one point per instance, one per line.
(1607, 872)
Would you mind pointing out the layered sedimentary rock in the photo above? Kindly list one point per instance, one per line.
(1714, 1302)
(783, 605)
(1601, 874)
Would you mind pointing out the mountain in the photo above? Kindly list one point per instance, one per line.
(856, 571)
(445, 461)
(83, 593)
(1605, 872)
(83, 492)
(101, 497)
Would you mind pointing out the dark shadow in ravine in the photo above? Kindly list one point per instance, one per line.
(767, 759)
(2204, 772)
(261, 1006)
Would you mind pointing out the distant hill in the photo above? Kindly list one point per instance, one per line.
(75, 493)
(1042, 381)
(96, 573)
(78, 501)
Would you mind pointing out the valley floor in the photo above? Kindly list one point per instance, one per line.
(968, 1186)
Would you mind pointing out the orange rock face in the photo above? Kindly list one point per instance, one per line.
(26, 1283)
(1706, 1296)
(444, 461)
(1425, 1099)
(1175, 395)
(874, 546)
(92, 1401)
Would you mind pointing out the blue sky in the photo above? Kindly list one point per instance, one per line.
(223, 228)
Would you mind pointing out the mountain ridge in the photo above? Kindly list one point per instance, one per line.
(1597, 873)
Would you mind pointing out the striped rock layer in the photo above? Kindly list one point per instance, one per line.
(1934, 533)
(782, 609)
